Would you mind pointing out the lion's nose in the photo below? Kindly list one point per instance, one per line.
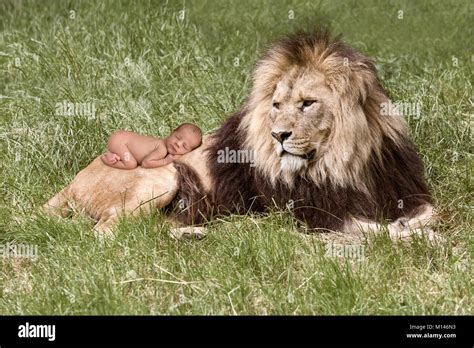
(281, 136)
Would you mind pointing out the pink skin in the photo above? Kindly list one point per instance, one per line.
(180, 142)
(110, 157)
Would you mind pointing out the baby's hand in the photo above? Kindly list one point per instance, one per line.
(168, 159)
(175, 157)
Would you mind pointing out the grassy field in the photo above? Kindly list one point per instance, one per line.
(149, 66)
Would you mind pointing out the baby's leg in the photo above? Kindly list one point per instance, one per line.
(126, 159)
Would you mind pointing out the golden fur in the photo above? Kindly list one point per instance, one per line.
(105, 193)
(346, 134)
(329, 101)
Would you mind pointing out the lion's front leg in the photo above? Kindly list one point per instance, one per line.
(402, 229)
(188, 232)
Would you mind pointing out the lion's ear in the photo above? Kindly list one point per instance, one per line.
(373, 99)
(364, 81)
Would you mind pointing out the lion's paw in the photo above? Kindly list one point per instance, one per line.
(190, 232)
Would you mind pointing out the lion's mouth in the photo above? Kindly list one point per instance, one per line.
(307, 156)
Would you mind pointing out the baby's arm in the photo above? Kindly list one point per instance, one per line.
(157, 158)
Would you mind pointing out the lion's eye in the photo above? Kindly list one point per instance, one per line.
(307, 103)
(276, 105)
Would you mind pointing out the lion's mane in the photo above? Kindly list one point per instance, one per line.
(371, 171)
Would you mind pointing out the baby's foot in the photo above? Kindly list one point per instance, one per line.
(110, 158)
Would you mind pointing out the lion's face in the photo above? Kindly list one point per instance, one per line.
(300, 118)
(314, 112)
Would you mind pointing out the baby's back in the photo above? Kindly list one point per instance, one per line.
(139, 145)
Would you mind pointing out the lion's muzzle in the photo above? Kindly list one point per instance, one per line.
(281, 136)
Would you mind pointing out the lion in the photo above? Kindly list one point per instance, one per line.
(320, 145)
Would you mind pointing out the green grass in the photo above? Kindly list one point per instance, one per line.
(146, 70)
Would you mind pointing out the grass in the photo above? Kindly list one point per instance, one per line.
(147, 70)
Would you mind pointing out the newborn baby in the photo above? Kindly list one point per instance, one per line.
(127, 150)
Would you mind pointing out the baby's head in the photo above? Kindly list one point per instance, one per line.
(184, 139)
